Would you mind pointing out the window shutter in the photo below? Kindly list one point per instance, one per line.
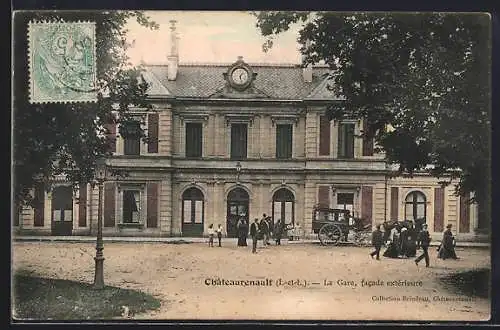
(289, 141)
(438, 209)
(324, 136)
(324, 196)
(39, 205)
(82, 206)
(349, 141)
(279, 142)
(198, 139)
(153, 119)
(341, 145)
(243, 145)
(464, 226)
(111, 136)
(394, 203)
(367, 142)
(152, 205)
(189, 140)
(109, 204)
(234, 141)
(367, 204)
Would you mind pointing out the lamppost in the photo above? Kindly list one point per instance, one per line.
(100, 176)
(238, 171)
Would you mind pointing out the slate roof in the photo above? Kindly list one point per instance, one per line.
(283, 82)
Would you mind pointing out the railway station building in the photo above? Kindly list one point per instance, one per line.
(241, 138)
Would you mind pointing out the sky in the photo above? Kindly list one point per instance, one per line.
(209, 37)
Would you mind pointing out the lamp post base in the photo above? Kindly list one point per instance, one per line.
(99, 273)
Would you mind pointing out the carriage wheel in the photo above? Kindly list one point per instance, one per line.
(329, 234)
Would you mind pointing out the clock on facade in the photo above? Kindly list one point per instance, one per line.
(240, 76)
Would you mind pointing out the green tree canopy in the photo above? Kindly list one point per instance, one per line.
(426, 74)
(55, 138)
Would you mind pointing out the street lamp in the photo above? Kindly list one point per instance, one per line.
(100, 176)
(238, 171)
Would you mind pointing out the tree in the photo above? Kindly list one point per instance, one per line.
(51, 139)
(426, 74)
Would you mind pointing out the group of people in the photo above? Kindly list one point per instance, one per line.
(211, 234)
(401, 239)
(404, 240)
(262, 230)
(265, 230)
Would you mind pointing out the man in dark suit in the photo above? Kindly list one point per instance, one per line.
(254, 231)
(377, 242)
(423, 240)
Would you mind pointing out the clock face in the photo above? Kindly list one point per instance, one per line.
(239, 76)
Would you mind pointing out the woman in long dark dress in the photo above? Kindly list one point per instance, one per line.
(240, 227)
(392, 250)
(242, 232)
(447, 248)
(411, 247)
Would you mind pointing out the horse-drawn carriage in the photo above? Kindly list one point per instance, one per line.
(338, 225)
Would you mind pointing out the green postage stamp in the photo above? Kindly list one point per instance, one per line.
(62, 62)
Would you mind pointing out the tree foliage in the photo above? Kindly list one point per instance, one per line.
(426, 74)
(50, 139)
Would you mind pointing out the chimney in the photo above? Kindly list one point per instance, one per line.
(307, 72)
(173, 57)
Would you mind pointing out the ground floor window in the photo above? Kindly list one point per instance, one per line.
(345, 201)
(415, 206)
(131, 206)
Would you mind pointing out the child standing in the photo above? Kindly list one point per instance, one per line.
(219, 234)
(211, 235)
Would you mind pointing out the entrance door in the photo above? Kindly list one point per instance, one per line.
(237, 205)
(62, 211)
(193, 209)
(283, 207)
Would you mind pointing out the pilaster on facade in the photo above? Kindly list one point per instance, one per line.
(310, 200)
(334, 138)
(299, 138)
(165, 131)
(165, 200)
(311, 135)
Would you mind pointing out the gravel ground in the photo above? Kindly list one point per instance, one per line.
(177, 275)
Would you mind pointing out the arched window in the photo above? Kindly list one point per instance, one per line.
(192, 212)
(415, 206)
(283, 206)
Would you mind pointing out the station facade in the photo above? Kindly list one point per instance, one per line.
(235, 139)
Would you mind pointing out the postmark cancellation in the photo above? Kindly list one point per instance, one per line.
(62, 62)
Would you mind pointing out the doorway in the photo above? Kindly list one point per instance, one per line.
(283, 207)
(237, 204)
(193, 209)
(62, 211)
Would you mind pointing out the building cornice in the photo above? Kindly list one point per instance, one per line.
(232, 101)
